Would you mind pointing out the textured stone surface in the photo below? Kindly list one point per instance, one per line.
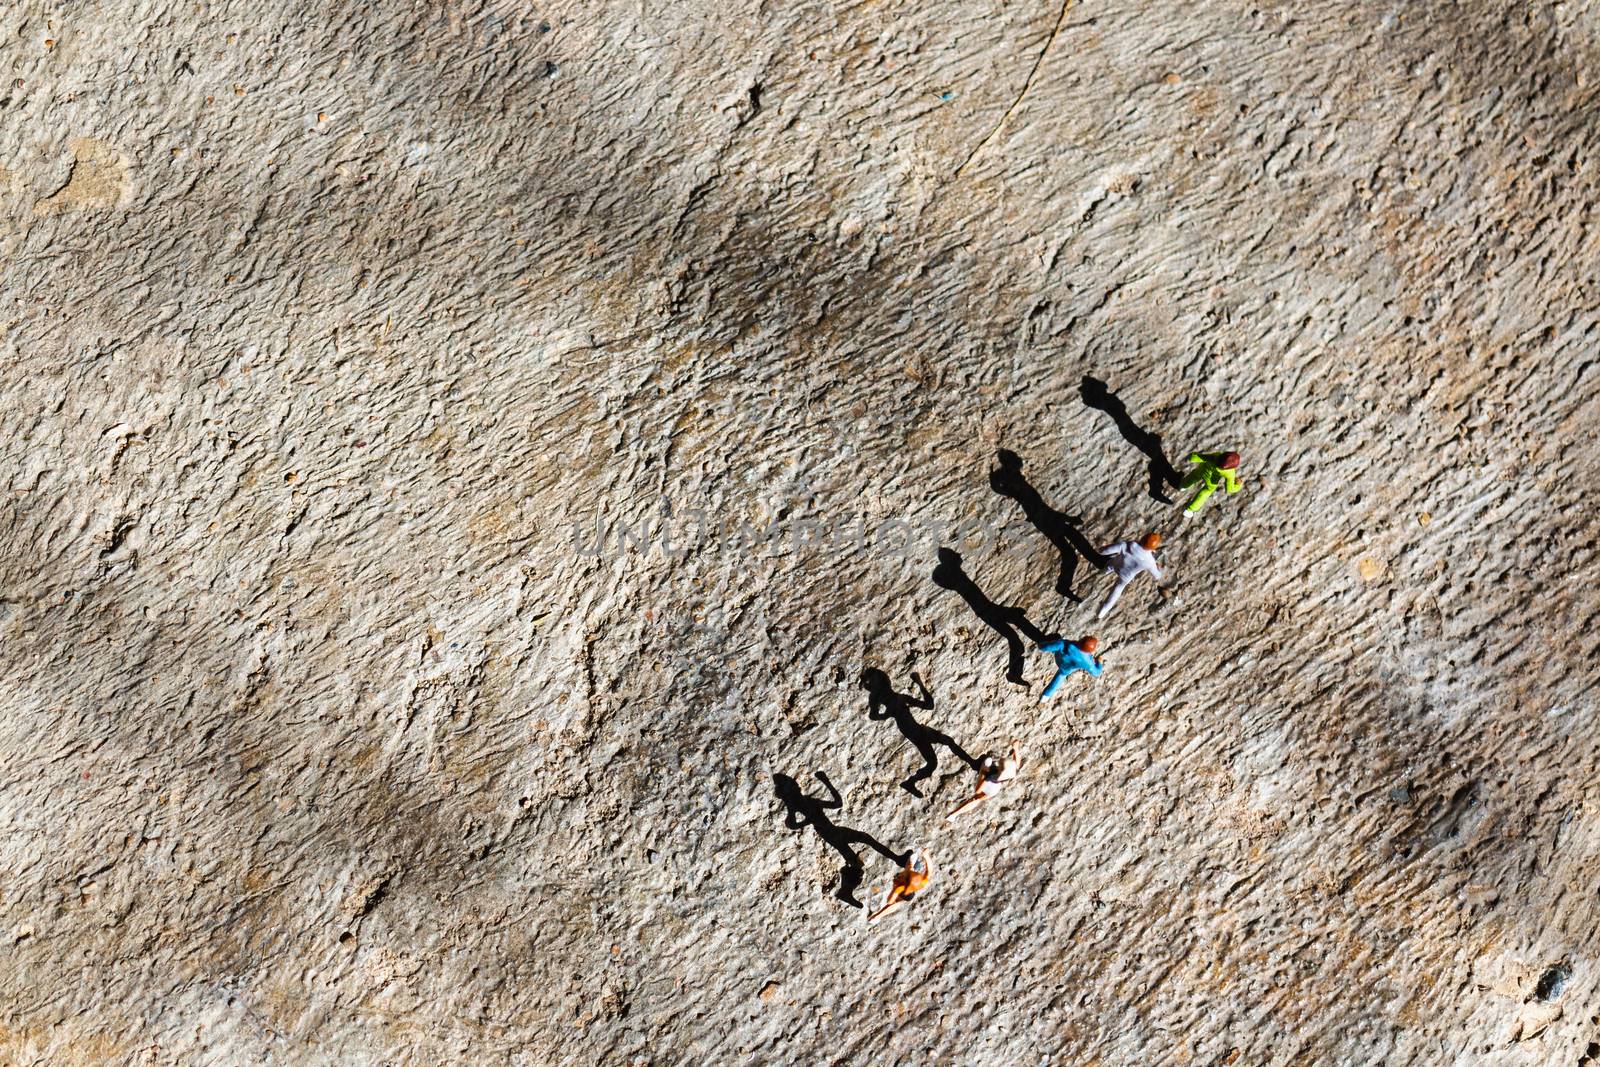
(334, 332)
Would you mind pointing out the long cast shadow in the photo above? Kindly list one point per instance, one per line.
(884, 703)
(1005, 620)
(1099, 395)
(1060, 529)
(803, 810)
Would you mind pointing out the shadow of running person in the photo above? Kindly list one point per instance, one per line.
(885, 703)
(1059, 529)
(1098, 395)
(1006, 621)
(803, 811)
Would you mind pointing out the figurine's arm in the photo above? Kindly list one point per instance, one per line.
(837, 801)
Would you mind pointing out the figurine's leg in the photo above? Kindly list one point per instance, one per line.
(1116, 595)
(930, 763)
(966, 805)
(896, 900)
(1200, 499)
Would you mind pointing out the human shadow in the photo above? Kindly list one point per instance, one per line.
(1060, 529)
(1007, 621)
(803, 810)
(885, 703)
(1098, 395)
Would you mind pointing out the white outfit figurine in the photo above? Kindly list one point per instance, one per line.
(1127, 561)
(993, 772)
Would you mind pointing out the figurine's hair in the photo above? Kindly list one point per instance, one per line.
(1151, 541)
(1230, 461)
(1089, 644)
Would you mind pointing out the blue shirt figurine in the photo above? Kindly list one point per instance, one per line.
(1072, 656)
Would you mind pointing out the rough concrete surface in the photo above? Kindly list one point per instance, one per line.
(456, 455)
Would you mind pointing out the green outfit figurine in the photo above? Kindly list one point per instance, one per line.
(1216, 470)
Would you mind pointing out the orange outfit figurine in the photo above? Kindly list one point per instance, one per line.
(908, 882)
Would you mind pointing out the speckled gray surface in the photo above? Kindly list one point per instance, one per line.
(334, 334)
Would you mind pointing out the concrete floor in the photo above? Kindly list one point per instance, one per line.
(459, 454)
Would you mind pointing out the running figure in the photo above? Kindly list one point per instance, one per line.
(887, 704)
(993, 772)
(1127, 561)
(908, 882)
(803, 810)
(1216, 470)
(1071, 657)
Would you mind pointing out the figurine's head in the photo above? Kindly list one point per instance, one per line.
(875, 681)
(1150, 542)
(1230, 461)
(1090, 644)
